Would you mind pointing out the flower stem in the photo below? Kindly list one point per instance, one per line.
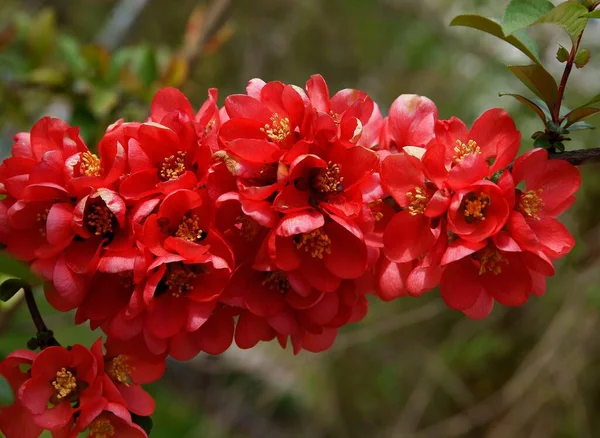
(563, 82)
(44, 335)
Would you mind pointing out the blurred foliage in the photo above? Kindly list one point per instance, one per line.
(412, 368)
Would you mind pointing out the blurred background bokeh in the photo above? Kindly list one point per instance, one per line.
(412, 368)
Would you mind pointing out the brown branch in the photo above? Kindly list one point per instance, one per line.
(578, 157)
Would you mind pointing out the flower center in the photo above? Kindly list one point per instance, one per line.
(189, 229)
(461, 150)
(119, 370)
(101, 428)
(276, 281)
(531, 203)
(42, 218)
(64, 384)
(247, 227)
(490, 261)
(316, 242)
(328, 180)
(90, 164)
(278, 130)
(173, 167)
(180, 282)
(100, 220)
(474, 206)
(375, 207)
(418, 201)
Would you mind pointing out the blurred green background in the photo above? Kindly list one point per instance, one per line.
(412, 368)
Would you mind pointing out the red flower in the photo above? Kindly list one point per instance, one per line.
(478, 211)
(477, 274)
(411, 122)
(330, 179)
(285, 304)
(127, 365)
(60, 379)
(490, 146)
(183, 226)
(413, 231)
(549, 190)
(323, 249)
(15, 420)
(342, 117)
(106, 419)
(38, 170)
(166, 154)
(244, 223)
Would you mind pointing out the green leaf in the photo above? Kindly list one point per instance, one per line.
(595, 14)
(538, 80)
(529, 104)
(10, 287)
(572, 17)
(46, 76)
(562, 54)
(479, 22)
(14, 268)
(582, 58)
(7, 397)
(520, 14)
(580, 126)
(581, 113)
(102, 101)
(542, 142)
(144, 422)
(147, 69)
(70, 52)
(42, 34)
(595, 100)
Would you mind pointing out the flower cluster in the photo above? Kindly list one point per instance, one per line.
(274, 216)
(69, 391)
(482, 228)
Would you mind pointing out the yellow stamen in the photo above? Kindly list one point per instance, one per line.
(189, 229)
(531, 203)
(90, 164)
(328, 180)
(375, 207)
(490, 260)
(462, 150)
(474, 206)
(101, 428)
(119, 370)
(100, 220)
(247, 227)
(278, 130)
(316, 242)
(173, 167)
(418, 201)
(64, 384)
(43, 217)
(209, 127)
(276, 281)
(179, 282)
(335, 116)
